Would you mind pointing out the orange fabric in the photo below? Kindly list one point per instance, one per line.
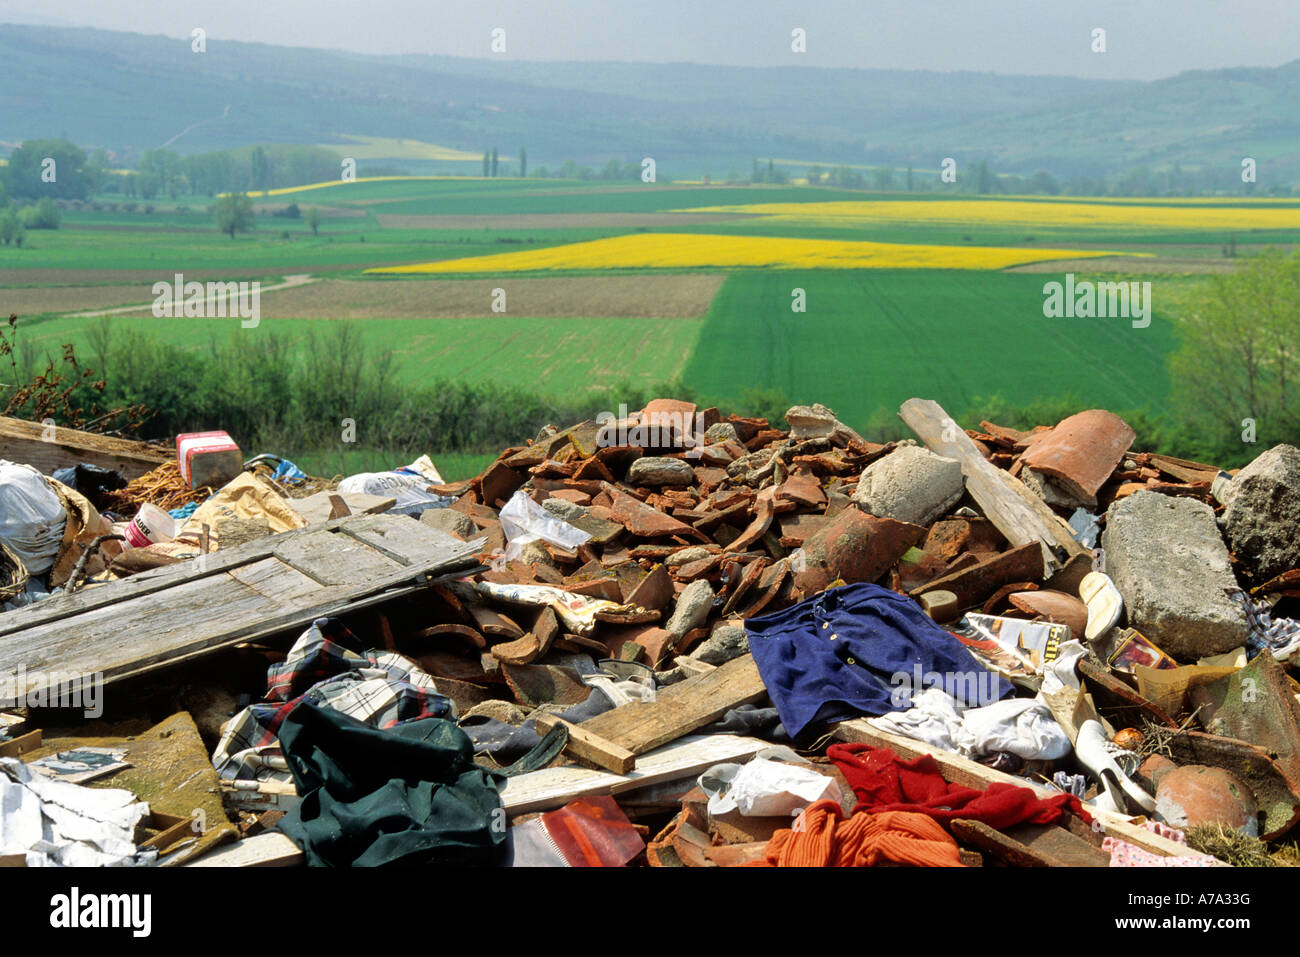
(824, 837)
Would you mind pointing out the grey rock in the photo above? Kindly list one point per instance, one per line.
(910, 484)
(563, 508)
(684, 556)
(659, 470)
(1171, 567)
(535, 553)
(817, 421)
(720, 432)
(727, 641)
(692, 610)
(1051, 491)
(456, 524)
(504, 711)
(1263, 513)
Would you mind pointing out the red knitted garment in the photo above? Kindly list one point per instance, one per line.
(885, 782)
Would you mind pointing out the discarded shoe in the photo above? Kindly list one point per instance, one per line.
(1091, 748)
(1104, 604)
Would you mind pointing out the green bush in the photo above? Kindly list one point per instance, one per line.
(44, 215)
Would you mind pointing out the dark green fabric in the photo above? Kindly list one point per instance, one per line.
(410, 794)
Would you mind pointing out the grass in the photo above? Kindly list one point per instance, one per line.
(548, 356)
(452, 466)
(872, 339)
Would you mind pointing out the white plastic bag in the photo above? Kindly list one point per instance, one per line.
(32, 518)
(524, 521)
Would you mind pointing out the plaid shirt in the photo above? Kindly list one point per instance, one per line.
(1280, 635)
(328, 666)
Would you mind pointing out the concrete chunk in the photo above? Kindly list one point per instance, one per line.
(910, 484)
(693, 607)
(658, 470)
(1170, 565)
(1263, 513)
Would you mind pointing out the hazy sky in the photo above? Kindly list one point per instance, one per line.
(1145, 39)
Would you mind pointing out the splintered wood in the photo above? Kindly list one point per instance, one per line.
(613, 740)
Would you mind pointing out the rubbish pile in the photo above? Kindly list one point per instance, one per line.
(671, 639)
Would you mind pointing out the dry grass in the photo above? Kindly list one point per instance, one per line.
(682, 296)
(625, 220)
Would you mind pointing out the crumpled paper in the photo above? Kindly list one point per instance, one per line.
(58, 824)
(765, 788)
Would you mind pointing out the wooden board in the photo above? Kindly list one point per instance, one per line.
(252, 590)
(959, 770)
(271, 849)
(316, 508)
(1018, 513)
(678, 710)
(47, 449)
(685, 758)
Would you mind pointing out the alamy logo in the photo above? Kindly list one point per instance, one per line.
(53, 689)
(74, 910)
(215, 300)
(972, 688)
(1103, 300)
(658, 430)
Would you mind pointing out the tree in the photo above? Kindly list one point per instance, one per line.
(909, 177)
(1238, 362)
(313, 219)
(985, 181)
(487, 163)
(494, 161)
(10, 227)
(234, 213)
(882, 177)
(27, 177)
(260, 168)
(523, 163)
(814, 175)
(1043, 182)
(44, 215)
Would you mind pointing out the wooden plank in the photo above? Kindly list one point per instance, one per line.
(53, 448)
(20, 745)
(1060, 843)
(999, 845)
(191, 616)
(271, 849)
(113, 593)
(1019, 515)
(591, 747)
(317, 507)
(959, 770)
(678, 710)
(685, 758)
(333, 559)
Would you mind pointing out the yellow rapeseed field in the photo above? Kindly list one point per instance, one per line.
(683, 250)
(1022, 213)
(360, 179)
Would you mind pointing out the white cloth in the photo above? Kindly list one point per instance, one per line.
(1020, 726)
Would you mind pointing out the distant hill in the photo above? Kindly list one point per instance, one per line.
(130, 92)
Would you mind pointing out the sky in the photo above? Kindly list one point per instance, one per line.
(1144, 39)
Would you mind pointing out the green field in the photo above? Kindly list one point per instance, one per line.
(869, 339)
(873, 338)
